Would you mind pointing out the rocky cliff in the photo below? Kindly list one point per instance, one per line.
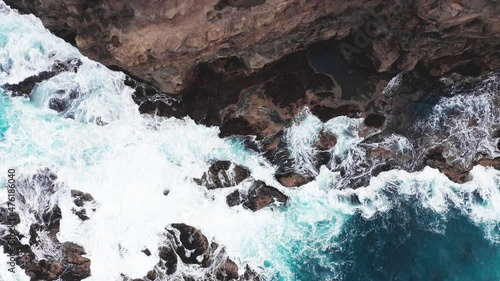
(161, 41)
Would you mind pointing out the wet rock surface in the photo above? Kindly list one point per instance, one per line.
(182, 243)
(81, 200)
(44, 257)
(25, 87)
(258, 196)
(223, 174)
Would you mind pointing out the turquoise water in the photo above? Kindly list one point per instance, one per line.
(406, 226)
(4, 122)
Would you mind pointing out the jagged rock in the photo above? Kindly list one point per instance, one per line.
(261, 195)
(197, 252)
(233, 199)
(147, 252)
(326, 140)
(249, 275)
(258, 196)
(495, 162)
(81, 199)
(223, 174)
(76, 267)
(66, 260)
(25, 87)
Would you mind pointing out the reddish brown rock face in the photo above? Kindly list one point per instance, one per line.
(159, 41)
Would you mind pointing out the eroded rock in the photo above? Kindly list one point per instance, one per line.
(25, 87)
(223, 174)
(53, 260)
(160, 41)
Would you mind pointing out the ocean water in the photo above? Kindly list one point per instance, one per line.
(406, 226)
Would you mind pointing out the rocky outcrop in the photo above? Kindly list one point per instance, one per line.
(160, 41)
(186, 244)
(25, 87)
(258, 196)
(44, 257)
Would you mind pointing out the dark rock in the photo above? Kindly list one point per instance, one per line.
(147, 252)
(81, 214)
(223, 174)
(71, 264)
(456, 172)
(395, 35)
(495, 162)
(261, 195)
(166, 192)
(322, 158)
(249, 275)
(190, 244)
(233, 199)
(80, 198)
(227, 270)
(374, 120)
(292, 179)
(77, 267)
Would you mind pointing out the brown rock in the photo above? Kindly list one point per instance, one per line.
(326, 140)
(292, 179)
(191, 244)
(223, 174)
(160, 41)
(261, 195)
